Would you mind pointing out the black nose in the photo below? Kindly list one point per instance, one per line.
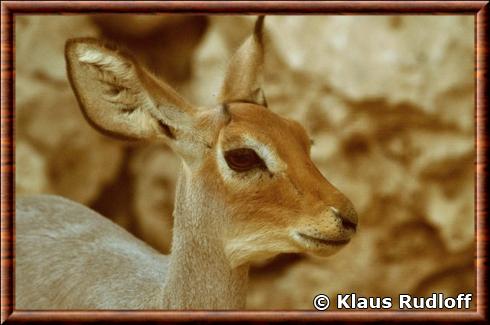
(347, 224)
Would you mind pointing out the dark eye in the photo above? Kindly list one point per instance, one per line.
(243, 159)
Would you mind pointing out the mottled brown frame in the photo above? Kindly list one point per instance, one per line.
(11, 8)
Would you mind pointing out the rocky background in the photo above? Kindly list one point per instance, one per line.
(388, 101)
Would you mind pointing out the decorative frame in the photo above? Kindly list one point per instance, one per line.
(9, 9)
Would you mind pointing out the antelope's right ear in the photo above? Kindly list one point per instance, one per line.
(120, 98)
(243, 80)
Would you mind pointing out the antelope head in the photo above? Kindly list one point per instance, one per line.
(238, 155)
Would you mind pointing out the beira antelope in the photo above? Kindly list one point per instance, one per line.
(247, 191)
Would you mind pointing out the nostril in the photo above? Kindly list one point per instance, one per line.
(349, 221)
(348, 224)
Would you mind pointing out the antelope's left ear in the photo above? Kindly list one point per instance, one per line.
(243, 80)
(120, 98)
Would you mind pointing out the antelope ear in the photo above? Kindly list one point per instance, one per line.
(120, 98)
(243, 78)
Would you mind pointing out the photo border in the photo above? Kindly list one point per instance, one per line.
(9, 9)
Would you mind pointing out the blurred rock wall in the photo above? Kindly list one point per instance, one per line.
(388, 101)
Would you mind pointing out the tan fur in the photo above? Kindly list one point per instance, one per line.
(239, 86)
(70, 257)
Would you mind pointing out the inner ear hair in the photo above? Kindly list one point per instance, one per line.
(119, 97)
(99, 53)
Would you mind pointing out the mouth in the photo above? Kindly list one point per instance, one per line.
(322, 242)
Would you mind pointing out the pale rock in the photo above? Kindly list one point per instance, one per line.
(78, 160)
(40, 43)
(31, 165)
(209, 67)
(154, 169)
(210, 60)
(453, 216)
(390, 57)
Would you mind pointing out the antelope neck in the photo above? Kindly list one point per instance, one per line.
(199, 274)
